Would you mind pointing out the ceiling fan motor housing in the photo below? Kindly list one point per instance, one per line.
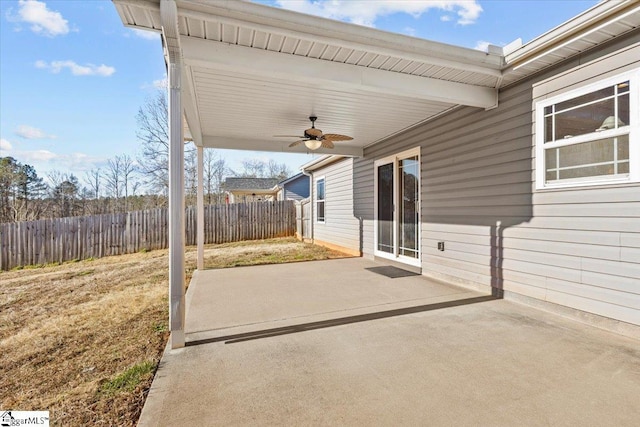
(313, 133)
(314, 138)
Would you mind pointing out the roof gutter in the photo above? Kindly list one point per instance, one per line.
(310, 175)
(588, 22)
(320, 162)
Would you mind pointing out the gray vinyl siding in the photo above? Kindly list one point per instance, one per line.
(298, 189)
(576, 247)
(341, 227)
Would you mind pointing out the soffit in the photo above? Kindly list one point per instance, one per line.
(243, 106)
(603, 22)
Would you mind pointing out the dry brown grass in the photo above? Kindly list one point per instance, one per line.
(82, 339)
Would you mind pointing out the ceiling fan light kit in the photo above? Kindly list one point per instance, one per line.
(313, 144)
(314, 138)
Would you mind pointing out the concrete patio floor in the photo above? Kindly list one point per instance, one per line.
(337, 343)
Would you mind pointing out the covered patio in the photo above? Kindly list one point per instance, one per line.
(354, 342)
(247, 76)
(241, 73)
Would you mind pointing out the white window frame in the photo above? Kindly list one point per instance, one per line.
(324, 183)
(633, 131)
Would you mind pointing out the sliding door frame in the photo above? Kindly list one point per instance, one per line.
(395, 255)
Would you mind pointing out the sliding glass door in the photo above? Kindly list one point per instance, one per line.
(385, 208)
(398, 207)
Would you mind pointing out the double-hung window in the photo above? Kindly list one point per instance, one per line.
(320, 200)
(590, 136)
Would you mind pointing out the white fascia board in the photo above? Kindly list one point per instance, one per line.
(601, 12)
(288, 23)
(367, 40)
(275, 146)
(316, 164)
(246, 60)
(190, 108)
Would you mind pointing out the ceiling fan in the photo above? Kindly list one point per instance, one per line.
(314, 138)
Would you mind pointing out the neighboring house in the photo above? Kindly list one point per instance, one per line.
(247, 190)
(294, 188)
(538, 198)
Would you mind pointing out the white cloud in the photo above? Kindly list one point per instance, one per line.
(29, 132)
(147, 35)
(482, 45)
(37, 155)
(42, 20)
(160, 84)
(44, 160)
(5, 145)
(469, 13)
(445, 18)
(365, 12)
(77, 69)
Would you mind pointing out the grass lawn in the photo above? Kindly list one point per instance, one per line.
(83, 339)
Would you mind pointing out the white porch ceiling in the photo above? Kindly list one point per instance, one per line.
(253, 71)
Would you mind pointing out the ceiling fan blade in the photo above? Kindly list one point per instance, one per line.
(313, 132)
(288, 136)
(327, 144)
(336, 137)
(293, 144)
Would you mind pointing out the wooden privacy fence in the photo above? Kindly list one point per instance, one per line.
(65, 239)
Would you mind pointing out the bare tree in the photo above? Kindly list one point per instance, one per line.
(64, 193)
(128, 169)
(253, 168)
(190, 176)
(153, 132)
(277, 170)
(215, 170)
(93, 180)
(135, 187)
(113, 178)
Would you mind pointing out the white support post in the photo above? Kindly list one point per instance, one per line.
(169, 16)
(176, 211)
(200, 213)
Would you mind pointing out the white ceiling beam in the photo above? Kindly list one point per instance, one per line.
(263, 63)
(190, 107)
(275, 146)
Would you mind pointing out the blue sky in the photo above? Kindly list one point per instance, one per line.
(72, 77)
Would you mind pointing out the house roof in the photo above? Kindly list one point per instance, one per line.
(246, 184)
(320, 162)
(601, 23)
(291, 178)
(252, 71)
